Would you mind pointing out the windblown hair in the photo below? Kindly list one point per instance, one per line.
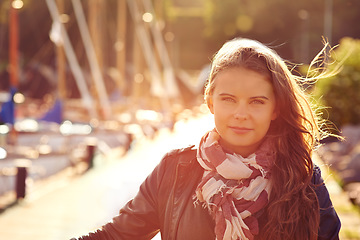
(293, 210)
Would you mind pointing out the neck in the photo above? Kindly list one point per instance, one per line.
(242, 151)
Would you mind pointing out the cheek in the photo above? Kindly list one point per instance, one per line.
(220, 117)
(222, 112)
(264, 117)
(271, 112)
(217, 108)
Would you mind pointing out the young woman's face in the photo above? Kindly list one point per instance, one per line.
(243, 104)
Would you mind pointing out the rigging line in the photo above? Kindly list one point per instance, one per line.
(42, 53)
(169, 75)
(145, 43)
(73, 63)
(92, 58)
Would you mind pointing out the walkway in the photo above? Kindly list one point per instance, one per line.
(71, 205)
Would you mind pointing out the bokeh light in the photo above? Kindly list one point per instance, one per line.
(19, 98)
(17, 4)
(3, 153)
(4, 129)
(244, 23)
(147, 17)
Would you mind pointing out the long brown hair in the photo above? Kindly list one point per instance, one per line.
(293, 210)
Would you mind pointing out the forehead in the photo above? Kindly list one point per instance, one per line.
(242, 81)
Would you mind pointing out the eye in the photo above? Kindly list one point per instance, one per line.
(257, 101)
(228, 99)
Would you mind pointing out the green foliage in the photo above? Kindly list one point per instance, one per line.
(340, 94)
(294, 27)
(4, 8)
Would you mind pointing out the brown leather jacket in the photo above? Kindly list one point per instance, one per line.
(165, 203)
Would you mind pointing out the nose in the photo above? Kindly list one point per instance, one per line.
(241, 112)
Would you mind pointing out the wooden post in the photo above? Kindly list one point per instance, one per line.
(90, 152)
(21, 182)
(22, 166)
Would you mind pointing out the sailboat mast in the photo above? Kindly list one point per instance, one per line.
(13, 45)
(60, 57)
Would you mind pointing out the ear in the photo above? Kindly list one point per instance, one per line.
(274, 114)
(210, 104)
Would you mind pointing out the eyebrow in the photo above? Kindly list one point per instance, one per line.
(254, 97)
(262, 97)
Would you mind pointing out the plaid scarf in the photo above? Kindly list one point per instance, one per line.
(233, 188)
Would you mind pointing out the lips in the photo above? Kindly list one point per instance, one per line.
(240, 130)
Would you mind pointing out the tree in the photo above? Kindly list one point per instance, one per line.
(281, 23)
(339, 94)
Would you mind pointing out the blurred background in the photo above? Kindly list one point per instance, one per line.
(85, 81)
(111, 54)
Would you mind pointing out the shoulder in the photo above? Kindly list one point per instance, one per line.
(179, 151)
(164, 173)
(319, 185)
(187, 154)
(183, 158)
(320, 188)
(317, 170)
(177, 156)
(329, 221)
(316, 177)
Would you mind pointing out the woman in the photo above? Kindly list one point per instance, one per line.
(252, 177)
